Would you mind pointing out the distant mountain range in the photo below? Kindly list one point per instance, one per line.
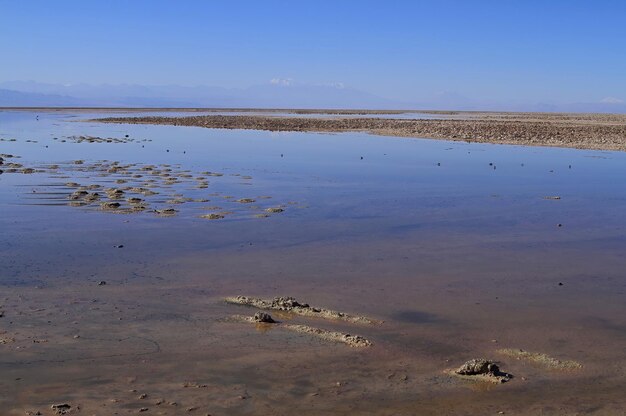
(20, 93)
(277, 94)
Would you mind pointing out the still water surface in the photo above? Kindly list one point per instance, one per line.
(454, 245)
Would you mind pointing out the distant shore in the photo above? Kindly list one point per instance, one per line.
(581, 131)
(337, 111)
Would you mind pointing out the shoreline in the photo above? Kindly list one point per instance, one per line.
(579, 131)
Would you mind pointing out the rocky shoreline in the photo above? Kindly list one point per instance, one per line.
(584, 131)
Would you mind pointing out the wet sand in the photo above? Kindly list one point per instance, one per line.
(582, 131)
(447, 258)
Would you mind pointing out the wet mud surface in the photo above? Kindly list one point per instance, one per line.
(456, 251)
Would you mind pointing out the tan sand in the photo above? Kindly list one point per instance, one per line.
(291, 305)
(355, 341)
(540, 358)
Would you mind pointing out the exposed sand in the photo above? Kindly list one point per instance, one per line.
(351, 340)
(585, 131)
(291, 305)
(540, 358)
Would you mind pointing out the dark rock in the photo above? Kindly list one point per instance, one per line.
(61, 408)
(263, 317)
(478, 366)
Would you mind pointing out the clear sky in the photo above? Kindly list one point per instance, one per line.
(564, 51)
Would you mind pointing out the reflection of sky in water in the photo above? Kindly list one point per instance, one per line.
(398, 185)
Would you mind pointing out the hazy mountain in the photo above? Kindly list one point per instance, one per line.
(24, 93)
(11, 98)
(277, 94)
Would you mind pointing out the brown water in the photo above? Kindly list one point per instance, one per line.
(453, 245)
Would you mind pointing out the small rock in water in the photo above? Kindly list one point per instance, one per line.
(478, 366)
(61, 408)
(110, 205)
(263, 317)
(166, 211)
(212, 216)
(483, 369)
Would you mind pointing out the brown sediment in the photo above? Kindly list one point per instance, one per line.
(289, 304)
(540, 358)
(351, 340)
(589, 131)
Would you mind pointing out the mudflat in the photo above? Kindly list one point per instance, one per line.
(582, 131)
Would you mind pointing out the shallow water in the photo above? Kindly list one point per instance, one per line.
(453, 245)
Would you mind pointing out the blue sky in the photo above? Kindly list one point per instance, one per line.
(558, 51)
